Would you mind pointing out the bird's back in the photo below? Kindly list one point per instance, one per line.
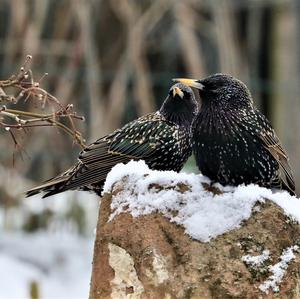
(234, 152)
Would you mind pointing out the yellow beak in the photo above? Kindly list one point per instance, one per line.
(190, 82)
(177, 91)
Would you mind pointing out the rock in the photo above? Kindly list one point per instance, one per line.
(151, 257)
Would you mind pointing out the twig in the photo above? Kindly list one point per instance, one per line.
(26, 88)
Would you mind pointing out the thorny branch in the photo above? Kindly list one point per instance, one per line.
(23, 87)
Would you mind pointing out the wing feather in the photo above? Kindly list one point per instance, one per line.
(137, 140)
(140, 139)
(273, 145)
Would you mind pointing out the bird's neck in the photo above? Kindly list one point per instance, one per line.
(219, 119)
(181, 119)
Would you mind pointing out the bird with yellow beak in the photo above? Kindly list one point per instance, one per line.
(162, 139)
(233, 142)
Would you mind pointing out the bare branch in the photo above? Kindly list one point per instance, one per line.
(23, 87)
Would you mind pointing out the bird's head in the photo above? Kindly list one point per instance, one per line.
(180, 106)
(222, 90)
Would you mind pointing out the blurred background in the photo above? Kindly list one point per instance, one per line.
(114, 60)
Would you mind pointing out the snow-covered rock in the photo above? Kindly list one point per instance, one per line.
(203, 214)
(176, 235)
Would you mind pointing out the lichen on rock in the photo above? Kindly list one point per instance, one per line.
(125, 283)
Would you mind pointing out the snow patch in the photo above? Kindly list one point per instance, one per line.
(182, 198)
(257, 260)
(278, 270)
(59, 264)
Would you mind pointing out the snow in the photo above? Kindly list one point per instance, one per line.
(60, 264)
(13, 273)
(57, 258)
(203, 215)
(279, 270)
(258, 260)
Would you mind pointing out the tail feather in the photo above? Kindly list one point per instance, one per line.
(51, 187)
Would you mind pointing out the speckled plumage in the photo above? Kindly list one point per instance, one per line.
(162, 139)
(233, 142)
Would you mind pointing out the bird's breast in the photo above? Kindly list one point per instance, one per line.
(231, 154)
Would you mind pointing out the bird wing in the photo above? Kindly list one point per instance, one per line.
(136, 140)
(141, 139)
(93, 164)
(273, 145)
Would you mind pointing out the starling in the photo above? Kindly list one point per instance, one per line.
(233, 142)
(162, 139)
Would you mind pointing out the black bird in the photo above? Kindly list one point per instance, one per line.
(232, 141)
(162, 139)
